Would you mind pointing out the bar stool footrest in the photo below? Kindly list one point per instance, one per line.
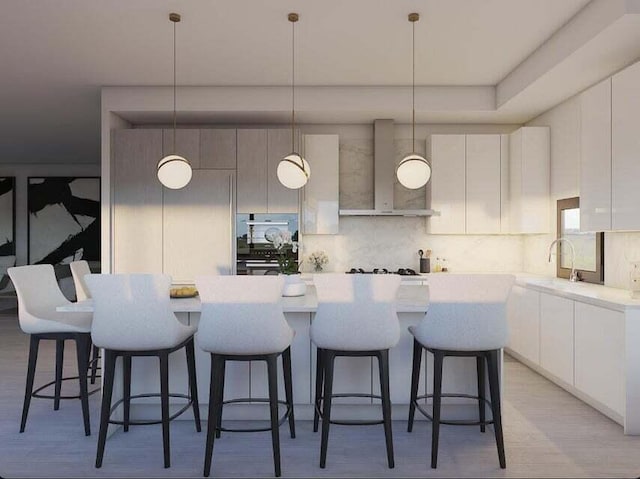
(281, 421)
(353, 422)
(453, 422)
(149, 422)
(51, 383)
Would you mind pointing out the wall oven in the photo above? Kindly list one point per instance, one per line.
(255, 253)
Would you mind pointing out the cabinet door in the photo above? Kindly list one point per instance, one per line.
(197, 226)
(280, 199)
(137, 201)
(448, 184)
(483, 184)
(599, 354)
(187, 145)
(625, 149)
(556, 336)
(320, 195)
(595, 158)
(218, 149)
(524, 323)
(252, 171)
(504, 184)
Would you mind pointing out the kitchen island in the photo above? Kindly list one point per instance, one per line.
(352, 375)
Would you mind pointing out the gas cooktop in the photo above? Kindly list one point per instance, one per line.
(400, 271)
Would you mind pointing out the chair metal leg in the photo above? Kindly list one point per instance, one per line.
(109, 366)
(288, 389)
(59, 369)
(328, 361)
(481, 390)
(437, 391)
(319, 385)
(164, 402)
(94, 362)
(34, 343)
(126, 387)
(212, 420)
(272, 371)
(193, 383)
(494, 387)
(82, 352)
(383, 363)
(220, 392)
(415, 382)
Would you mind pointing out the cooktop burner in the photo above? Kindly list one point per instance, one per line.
(400, 271)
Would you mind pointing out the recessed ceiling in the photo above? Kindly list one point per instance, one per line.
(58, 54)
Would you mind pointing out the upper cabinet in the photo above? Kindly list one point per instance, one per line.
(466, 184)
(595, 157)
(320, 210)
(218, 149)
(529, 165)
(258, 188)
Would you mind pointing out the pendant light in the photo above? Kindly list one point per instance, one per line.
(293, 170)
(174, 171)
(413, 171)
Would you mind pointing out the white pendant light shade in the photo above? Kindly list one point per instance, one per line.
(293, 171)
(413, 172)
(174, 172)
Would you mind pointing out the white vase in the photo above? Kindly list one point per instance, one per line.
(293, 285)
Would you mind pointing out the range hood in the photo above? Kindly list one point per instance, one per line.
(384, 176)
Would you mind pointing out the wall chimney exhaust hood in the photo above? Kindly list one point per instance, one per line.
(384, 176)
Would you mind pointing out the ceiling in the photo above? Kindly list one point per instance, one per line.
(63, 52)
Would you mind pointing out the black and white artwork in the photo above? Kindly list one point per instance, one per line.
(64, 220)
(7, 230)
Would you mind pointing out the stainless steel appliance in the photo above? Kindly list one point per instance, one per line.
(255, 252)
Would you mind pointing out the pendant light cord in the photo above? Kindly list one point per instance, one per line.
(293, 83)
(174, 88)
(413, 87)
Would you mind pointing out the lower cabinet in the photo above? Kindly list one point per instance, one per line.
(556, 336)
(524, 323)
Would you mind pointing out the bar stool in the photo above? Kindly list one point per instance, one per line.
(132, 318)
(466, 318)
(242, 320)
(79, 269)
(356, 316)
(38, 296)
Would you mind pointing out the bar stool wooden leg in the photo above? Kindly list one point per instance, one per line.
(494, 387)
(288, 389)
(82, 353)
(34, 343)
(94, 363)
(328, 361)
(193, 384)
(59, 368)
(126, 387)
(481, 390)
(437, 391)
(109, 365)
(383, 363)
(164, 404)
(272, 371)
(220, 392)
(319, 386)
(212, 420)
(415, 382)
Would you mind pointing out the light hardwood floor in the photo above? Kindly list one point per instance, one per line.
(548, 433)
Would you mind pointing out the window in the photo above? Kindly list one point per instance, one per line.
(589, 246)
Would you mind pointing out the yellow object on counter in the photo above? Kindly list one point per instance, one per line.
(183, 292)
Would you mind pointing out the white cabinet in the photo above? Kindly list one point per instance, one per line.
(483, 192)
(320, 207)
(600, 355)
(595, 157)
(556, 336)
(523, 316)
(529, 163)
(448, 186)
(625, 149)
(258, 188)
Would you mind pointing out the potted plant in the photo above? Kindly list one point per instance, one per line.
(318, 259)
(288, 265)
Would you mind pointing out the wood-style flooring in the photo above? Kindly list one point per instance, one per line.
(548, 433)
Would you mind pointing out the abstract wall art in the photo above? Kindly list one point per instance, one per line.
(7, 230)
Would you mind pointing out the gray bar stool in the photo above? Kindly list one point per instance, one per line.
(356, 316)
(133, 318)
(466, 318)
(242, 320)
(79, 269)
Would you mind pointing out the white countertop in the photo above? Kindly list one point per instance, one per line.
(411, 299)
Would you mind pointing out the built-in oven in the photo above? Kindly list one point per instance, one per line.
(255, 252)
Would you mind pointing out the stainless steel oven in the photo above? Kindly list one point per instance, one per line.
(255, 253)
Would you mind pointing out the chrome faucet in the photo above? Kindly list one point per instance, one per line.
(573, 277)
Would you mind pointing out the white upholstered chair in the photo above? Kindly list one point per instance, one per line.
(242, 320)
(466, 317)
(356, 316)
(79, 269)
(38, 297)
(133, 317)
